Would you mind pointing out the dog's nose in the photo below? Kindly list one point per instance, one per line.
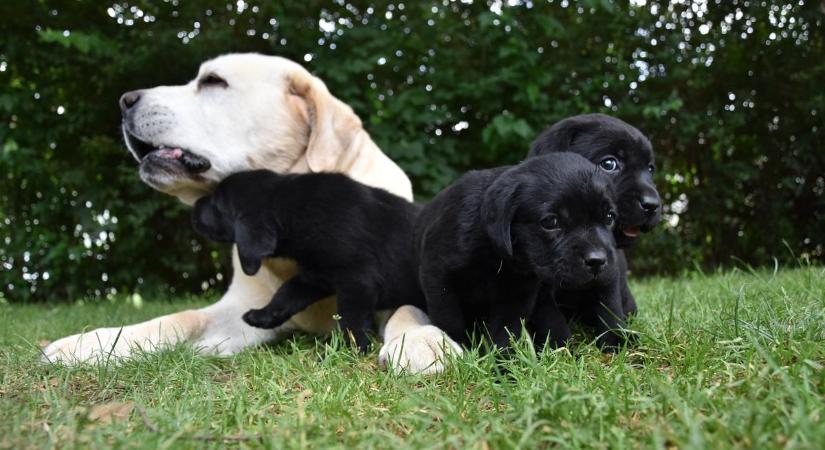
(128, 100)
(649, 203)
(595, 260)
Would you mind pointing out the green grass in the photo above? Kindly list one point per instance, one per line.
(728, 360)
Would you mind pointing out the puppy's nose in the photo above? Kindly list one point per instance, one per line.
(595, 260)
(128, 100)
(649, 203)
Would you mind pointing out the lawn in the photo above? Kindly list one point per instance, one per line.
(726, 360)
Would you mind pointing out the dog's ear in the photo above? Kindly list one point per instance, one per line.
(333, 125)
(256, 240)
(560, 137)
(203, 217)
(208, 223)
(497, 211)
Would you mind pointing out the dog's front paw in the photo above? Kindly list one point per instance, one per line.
(260, 318)
(610, 341)
(422, 350)
(632, 338)
(88, 347)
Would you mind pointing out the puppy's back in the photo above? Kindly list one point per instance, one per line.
(452, 214)
(312, 199)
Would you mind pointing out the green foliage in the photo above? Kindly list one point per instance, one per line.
(730, 94)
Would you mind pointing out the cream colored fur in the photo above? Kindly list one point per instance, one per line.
(273, 115)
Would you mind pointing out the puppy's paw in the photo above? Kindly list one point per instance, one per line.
(632, 338)
(610, 341)
(422, 350)
(358, 338)
(260, 318)
(614, 340)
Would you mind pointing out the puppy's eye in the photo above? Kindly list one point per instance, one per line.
(610, 218)
(212, 80)
(651, 168)
(550, 222)
(609, 164)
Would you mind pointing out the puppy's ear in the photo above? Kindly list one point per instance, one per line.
(255, 240)
(497, 211)
(205, 221)
(333, 125)
(559, 137)
(201, 217)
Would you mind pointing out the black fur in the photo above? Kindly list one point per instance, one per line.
(486, 243)
(599, 138)
(347, 239)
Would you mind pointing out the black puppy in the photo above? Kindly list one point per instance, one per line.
(626, 155)
(621, 151)
(486, 243)
(347, 239)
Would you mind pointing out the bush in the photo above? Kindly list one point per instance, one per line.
(729, 92)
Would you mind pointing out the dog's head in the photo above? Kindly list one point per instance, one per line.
(554, 215)
(621, 151)
(237, 212)
(241, 112)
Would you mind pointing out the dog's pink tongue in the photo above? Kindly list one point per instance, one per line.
(631, 231)
(171, 153)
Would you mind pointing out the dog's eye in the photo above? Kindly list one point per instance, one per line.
(609, 164)
(212, 80)
(610, 218)
(651, 168)
(550, 222)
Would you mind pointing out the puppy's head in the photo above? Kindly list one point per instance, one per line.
(554, 216)
(624, 154)
(235, 213)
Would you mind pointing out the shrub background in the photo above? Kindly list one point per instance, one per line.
(730, 92)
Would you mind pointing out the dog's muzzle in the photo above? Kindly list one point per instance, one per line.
(164, 156)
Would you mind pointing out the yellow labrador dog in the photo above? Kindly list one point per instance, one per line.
(242, 112)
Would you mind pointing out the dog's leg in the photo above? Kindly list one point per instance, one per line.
(505, 321)
(609, 317)
(412, 344)
(355, 307)
(444, 307)
(293, 297)
(548, 324)
(117, 342)
(628, 301)
(505, 317)
(216, 329)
